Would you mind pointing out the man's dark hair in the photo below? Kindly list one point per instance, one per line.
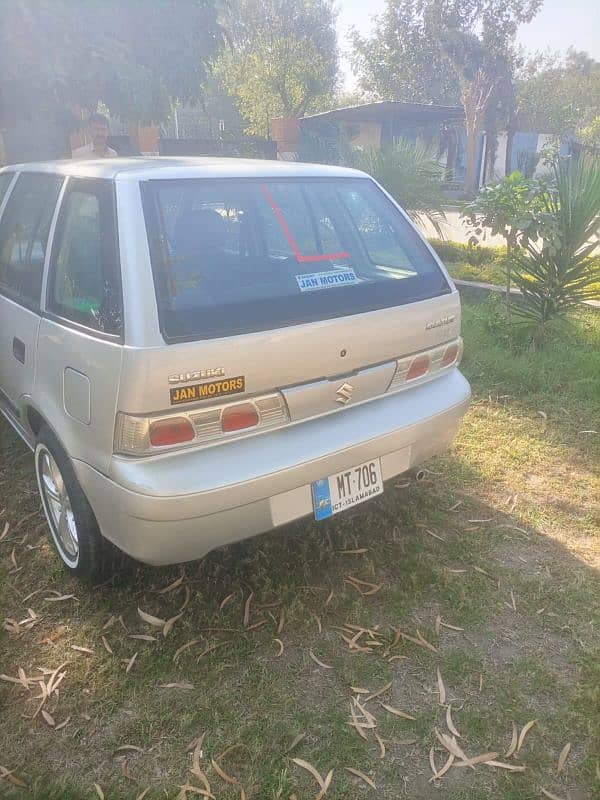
(98, 119)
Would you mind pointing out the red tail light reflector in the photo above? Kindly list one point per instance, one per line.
(450, 355)
(175, 430)
(239, 417)
(418, 368)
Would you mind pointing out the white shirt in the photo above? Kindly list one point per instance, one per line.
(87, 151)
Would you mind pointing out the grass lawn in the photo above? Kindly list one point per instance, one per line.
(490, 566)
(487, 264)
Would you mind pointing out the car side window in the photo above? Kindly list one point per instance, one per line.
(24, 230)
(85, 283)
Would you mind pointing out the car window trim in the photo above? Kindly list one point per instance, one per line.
(27, 302)
(9, 189)
(48, 312)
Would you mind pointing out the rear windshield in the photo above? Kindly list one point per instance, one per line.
(233, 256)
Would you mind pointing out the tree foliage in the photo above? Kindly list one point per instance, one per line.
(447, 51)
(401, 59)
(558, 95)
(283, 58)
(135, 57)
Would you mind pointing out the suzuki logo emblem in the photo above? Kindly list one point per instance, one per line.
(343, 394)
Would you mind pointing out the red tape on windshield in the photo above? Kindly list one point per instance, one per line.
(288, 234)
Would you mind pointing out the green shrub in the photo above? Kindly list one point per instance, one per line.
(561, 270)
(474, 255)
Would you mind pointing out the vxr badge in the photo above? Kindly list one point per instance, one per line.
(343, 394)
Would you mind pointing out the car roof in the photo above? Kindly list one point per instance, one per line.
(142, 169)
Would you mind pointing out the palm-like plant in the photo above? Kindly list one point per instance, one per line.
(557, 273)
(412, 174)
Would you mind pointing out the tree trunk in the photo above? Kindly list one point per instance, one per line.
(475, 97)
(470, 179)
(510, 136)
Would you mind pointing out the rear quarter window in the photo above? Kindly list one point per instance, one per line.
(24, 230)
(234, 256)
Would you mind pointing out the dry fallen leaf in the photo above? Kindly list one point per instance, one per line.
(451, 627)
(222, 774)
(184, 647)
(150, 619)
(562, 759)
(432, 763)
(176, 685)
(509, 767)
(549, 795)
(441, 688)
(452, 746)
(48, 718)
(247, 609)
(81, 649)
(9, 775)
(107, 647)
(441, 772)
(450, 722)
(60, 598)
(381, 745)
(227, 600)
(326, 783)
(524, 731)
(169, 624)
(130, 663)
(99, 791)
(482, 758)
(171, 586)
(280, 648)
(316, 660)
(297, 740)
(309, 768)
(362, 776)
(513, 742)
(396, 711)
(128, 748)
(143, 794)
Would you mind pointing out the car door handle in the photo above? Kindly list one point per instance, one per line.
(19, 350)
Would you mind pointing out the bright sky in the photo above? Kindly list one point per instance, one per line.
(560, 24)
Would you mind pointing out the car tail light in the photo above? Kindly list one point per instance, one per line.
(147, 435)
(239, 417)
(170, 431)
(418, 368)
(428, 364)
(451, 354)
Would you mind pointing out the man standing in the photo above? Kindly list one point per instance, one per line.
(98, 147)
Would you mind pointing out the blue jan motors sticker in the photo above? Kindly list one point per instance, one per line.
(313, 281)
(322, 499)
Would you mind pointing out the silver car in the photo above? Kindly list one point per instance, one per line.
(200, 350)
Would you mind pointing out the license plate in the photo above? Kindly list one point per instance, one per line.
(346, 489)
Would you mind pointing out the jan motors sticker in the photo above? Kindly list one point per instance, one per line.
(313, 281)
(207, 391)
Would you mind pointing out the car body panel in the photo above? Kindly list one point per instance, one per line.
(212, 496)
(178, 505)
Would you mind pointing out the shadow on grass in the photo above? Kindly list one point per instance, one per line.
(528, 649)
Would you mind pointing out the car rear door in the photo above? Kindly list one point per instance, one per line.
(24, 230)
(312, 287)
(80, 338)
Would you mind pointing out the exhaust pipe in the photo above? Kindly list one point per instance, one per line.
(418, 474)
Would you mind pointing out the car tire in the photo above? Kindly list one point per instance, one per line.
(84, 552)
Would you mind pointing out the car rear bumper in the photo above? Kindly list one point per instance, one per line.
(177, 507)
